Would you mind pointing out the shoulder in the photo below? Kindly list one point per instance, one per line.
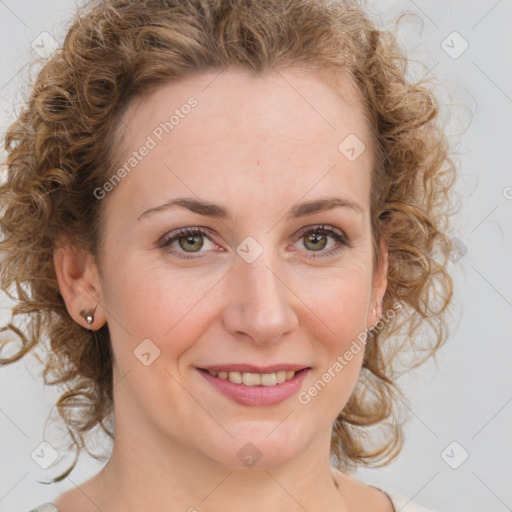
(403, 504)
(358, 491)
(45, 507)
(361, 496)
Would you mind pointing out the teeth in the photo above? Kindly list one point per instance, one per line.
(269, 379)
(235, 377)
(255, 379)
(289, 375)
(251, 379)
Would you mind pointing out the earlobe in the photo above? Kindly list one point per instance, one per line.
(88, 315)
(79, 285)
(379, 285)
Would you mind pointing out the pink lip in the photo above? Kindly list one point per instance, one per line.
(256, 395)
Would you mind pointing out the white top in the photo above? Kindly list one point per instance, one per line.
(400, 504)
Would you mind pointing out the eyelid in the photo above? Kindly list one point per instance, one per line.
(330, 230)
(180, 232)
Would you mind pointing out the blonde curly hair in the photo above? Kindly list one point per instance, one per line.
(64, 144)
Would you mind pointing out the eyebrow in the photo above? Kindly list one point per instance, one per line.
(221, 212)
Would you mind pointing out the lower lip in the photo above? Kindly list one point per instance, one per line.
(257, 395)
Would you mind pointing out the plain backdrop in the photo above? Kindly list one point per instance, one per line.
(457, 454)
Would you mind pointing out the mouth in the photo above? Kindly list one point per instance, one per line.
(256, 386)
(255, 378)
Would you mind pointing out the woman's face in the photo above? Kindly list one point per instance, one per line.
(270, 279)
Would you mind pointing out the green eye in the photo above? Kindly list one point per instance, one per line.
(189, 240)
(193, 242)
(317, 241)
(186, 241)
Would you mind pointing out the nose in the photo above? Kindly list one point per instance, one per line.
(261, 305)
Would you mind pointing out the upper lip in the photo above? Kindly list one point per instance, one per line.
(250, 368)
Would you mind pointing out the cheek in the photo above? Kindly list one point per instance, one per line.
(340, 306)
(163, 305)
(340, 328)
(339, 296)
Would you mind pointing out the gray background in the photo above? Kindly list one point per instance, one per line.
(466, 398)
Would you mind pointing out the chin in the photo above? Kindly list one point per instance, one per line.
(258, 447)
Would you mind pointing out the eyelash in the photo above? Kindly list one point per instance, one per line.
(339, 237)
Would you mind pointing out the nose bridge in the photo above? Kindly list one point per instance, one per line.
(260, 304)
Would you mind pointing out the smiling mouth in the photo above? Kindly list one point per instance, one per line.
(255, 379)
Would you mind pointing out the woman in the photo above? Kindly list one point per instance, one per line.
(227, 218)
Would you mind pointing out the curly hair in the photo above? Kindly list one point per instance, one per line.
(65, 140)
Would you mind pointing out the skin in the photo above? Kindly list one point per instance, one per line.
(257, 146)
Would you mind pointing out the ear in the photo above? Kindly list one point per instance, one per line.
(379, 286)
(79, 284)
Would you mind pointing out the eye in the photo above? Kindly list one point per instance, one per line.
(186, 240)
(316, 239)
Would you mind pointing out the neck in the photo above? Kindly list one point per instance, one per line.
(147, 473)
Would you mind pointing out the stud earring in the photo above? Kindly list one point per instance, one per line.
(88, 315)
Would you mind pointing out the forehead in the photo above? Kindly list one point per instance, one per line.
(272, 103)
(285, 129)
